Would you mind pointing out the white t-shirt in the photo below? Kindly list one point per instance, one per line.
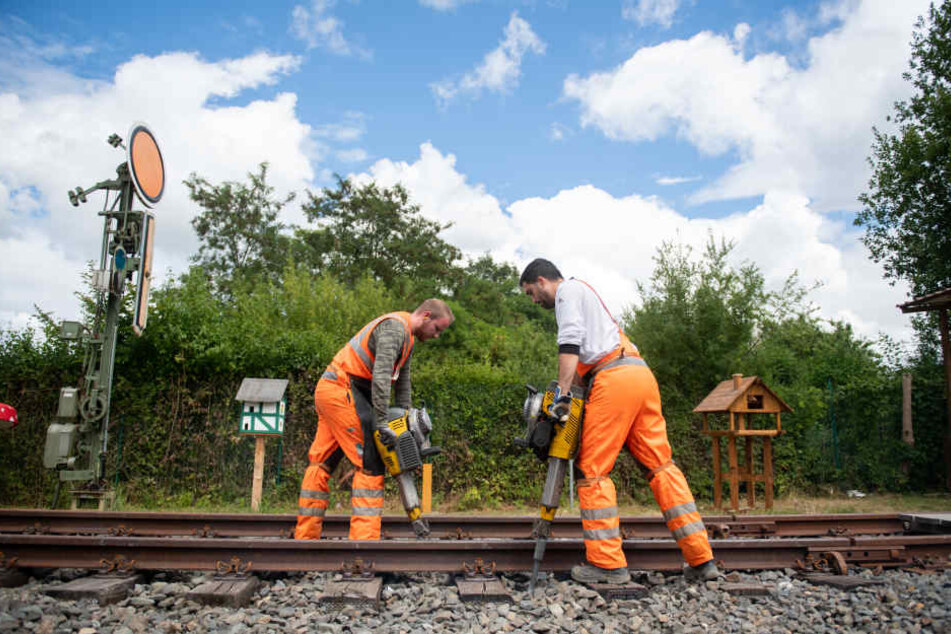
(584, 321)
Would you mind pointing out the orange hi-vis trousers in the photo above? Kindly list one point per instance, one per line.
(338, 426)
(623, 408)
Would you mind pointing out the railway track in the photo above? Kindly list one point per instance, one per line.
(242, 542)
(147, 524)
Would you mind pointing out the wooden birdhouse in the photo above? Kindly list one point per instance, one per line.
(262, 415)
(742, 407)
(263, 406)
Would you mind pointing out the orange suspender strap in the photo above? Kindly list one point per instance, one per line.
(618, 352)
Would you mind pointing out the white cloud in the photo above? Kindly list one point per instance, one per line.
(352, 128)
(353, 155)
(611, 241)
(805, 130)
(318, 28)
(558, 132)
(445, 5)
(54, 140)
(676, 180)
(500, 68)
(444, 195)
(650, 11)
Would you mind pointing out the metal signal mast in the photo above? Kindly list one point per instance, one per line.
(77, 439)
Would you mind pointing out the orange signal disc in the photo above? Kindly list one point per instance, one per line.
(146, 165)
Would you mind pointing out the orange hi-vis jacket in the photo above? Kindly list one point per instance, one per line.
(623, 409)
(356, 358)
(339, 428)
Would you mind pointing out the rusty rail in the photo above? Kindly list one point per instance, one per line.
(148, 524)
(257, 554)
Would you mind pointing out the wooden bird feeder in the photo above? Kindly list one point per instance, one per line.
(262, 415)
(742, 407)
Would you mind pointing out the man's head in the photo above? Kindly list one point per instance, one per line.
(540, 280)
(430, 318)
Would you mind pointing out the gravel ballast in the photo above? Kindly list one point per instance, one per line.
(430, 603)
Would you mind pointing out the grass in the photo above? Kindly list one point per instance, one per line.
(787, 504)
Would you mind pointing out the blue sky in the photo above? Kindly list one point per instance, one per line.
(629, 122)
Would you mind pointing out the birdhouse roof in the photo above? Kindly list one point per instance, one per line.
(724, 396)
(261, 390)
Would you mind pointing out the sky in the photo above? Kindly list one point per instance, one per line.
(588, 132)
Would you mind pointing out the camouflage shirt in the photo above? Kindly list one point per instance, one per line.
(386, 343)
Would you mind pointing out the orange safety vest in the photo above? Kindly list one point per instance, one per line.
(625, 347)
(356, 358)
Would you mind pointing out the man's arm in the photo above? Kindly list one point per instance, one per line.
(388, 345)
(403, 386)
(567, 371)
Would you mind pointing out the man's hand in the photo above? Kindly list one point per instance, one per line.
(561, 405)
(387, 436)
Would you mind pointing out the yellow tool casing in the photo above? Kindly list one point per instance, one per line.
(566, 435)
(404, 455)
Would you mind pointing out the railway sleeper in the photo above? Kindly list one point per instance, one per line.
(357, 586)
(479, 583)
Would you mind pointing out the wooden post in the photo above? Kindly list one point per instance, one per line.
(258, 481)
(768, 470)
(946, 351)
(750, 478)
(717, 475)
(907, 431)
(427, 502)
(734, 474)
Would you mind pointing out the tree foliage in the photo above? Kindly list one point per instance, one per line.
(365, 229)
(907, 208)
(245, 310)
(238, 227)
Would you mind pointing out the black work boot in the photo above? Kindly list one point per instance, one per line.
(707, 571)
(587, 573)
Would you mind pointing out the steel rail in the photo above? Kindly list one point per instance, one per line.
(146, 524)
(505, 555)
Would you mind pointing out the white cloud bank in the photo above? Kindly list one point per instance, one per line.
(500, 69)
(611, 241)
(54, 140)
(802, 130)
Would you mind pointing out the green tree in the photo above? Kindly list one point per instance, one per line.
(241, 236)
(907, 208)
(363, 229)
(697, 321)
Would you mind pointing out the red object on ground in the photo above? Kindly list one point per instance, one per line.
(8, 416)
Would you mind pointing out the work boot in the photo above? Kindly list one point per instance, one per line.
(586, 573)
(704, 572)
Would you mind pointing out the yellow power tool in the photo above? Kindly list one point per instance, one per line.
(555, 441)
(403, 457)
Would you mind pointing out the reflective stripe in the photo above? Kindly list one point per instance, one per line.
(602, 533)
(367, 493)
(315, 511)
(680, 509)
(368, 510)
(367, 361)
(688, 529)
(623, 361)
(329, 374)
(314, 495)
(599, 514)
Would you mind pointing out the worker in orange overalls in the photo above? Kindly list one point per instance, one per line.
(352, 397)
(622, 409)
